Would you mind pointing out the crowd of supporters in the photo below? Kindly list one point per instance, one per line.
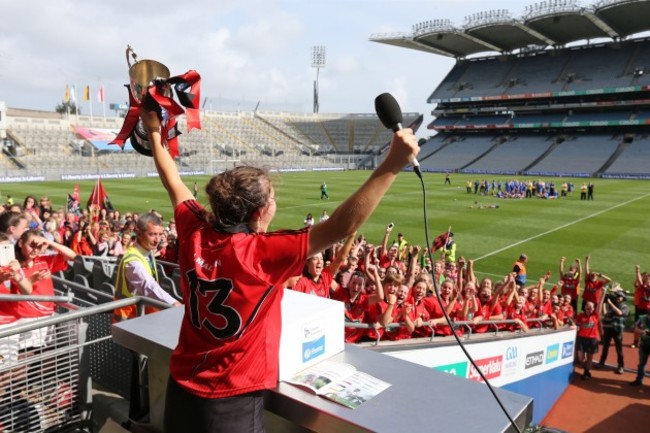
(43, 241)
(89, 232)
(380, 285)
(389, 292)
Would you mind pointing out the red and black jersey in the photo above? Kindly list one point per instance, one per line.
(588, 325)
(232, 287)
(571, 285)
(355, 313)
(320, 287)
(593, 290)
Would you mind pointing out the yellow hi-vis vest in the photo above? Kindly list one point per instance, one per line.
(121, 285)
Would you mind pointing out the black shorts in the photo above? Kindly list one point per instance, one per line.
(587, 345)
(185, 413)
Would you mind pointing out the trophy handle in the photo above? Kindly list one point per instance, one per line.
(133, 54)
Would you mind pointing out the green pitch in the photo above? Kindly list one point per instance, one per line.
(613, 229)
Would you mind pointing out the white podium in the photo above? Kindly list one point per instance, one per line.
(419, 399)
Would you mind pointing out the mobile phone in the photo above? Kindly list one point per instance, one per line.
(6, 254)
(391, 225)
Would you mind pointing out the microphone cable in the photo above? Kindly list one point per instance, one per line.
(436, 287)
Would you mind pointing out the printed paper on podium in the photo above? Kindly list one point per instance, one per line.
(340, 382)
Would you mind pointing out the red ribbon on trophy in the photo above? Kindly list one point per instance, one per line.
(151, 79)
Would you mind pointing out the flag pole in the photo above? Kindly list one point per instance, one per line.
(90, 104)
(97, 192)
(103, 99)
(67, 102)
(73, 95)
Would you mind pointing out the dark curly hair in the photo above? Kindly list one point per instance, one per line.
(235, 194)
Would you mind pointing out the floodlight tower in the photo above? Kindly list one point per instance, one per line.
(317, 61)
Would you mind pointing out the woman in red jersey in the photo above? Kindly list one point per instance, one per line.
(232, 284)
(588, 323)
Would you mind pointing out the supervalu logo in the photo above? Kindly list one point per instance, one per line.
(567, 349)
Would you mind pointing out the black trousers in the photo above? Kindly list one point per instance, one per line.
(185, 412)
(139, 401)
(610, 334)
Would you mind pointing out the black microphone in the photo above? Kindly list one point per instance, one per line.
(390, 115)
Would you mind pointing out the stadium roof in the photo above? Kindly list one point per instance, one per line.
(550, 23)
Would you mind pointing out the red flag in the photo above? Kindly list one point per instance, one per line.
(439, 242)
(97, 196)
(100, 94)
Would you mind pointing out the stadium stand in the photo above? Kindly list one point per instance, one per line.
(462, 152)
(579, 155)
(633, 159)
(511, 156)
(48, 144)
(561, 90)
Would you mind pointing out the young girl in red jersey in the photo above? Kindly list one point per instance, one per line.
(35, 274)
(233, 273)
(357, 302)
(399, 310)
(38, 258)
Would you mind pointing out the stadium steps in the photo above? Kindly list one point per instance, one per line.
(351, 135)
(13, 160)
(497, 141)
(564, 72)
(291, 140)
(447, 142)
(505, 81)
(328, 135)
(628, 70)
(550, 149)
(372, 140)
(621, 147)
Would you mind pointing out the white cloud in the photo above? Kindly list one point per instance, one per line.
(245, 50)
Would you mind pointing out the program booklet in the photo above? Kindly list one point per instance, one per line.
(339, 382)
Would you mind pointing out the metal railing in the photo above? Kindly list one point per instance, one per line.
(467, 325)
(46, 363)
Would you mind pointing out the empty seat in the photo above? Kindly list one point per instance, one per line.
(168, 285)
(99, 274)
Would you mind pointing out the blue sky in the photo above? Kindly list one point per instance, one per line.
(246, 50)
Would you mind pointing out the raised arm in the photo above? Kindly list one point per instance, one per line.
(512, 286)
(350, 215)
(171, 180)
(470, 272)
(413, 261)
(384, 242)
(378, 296)
(68, 253)
(342, 254)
